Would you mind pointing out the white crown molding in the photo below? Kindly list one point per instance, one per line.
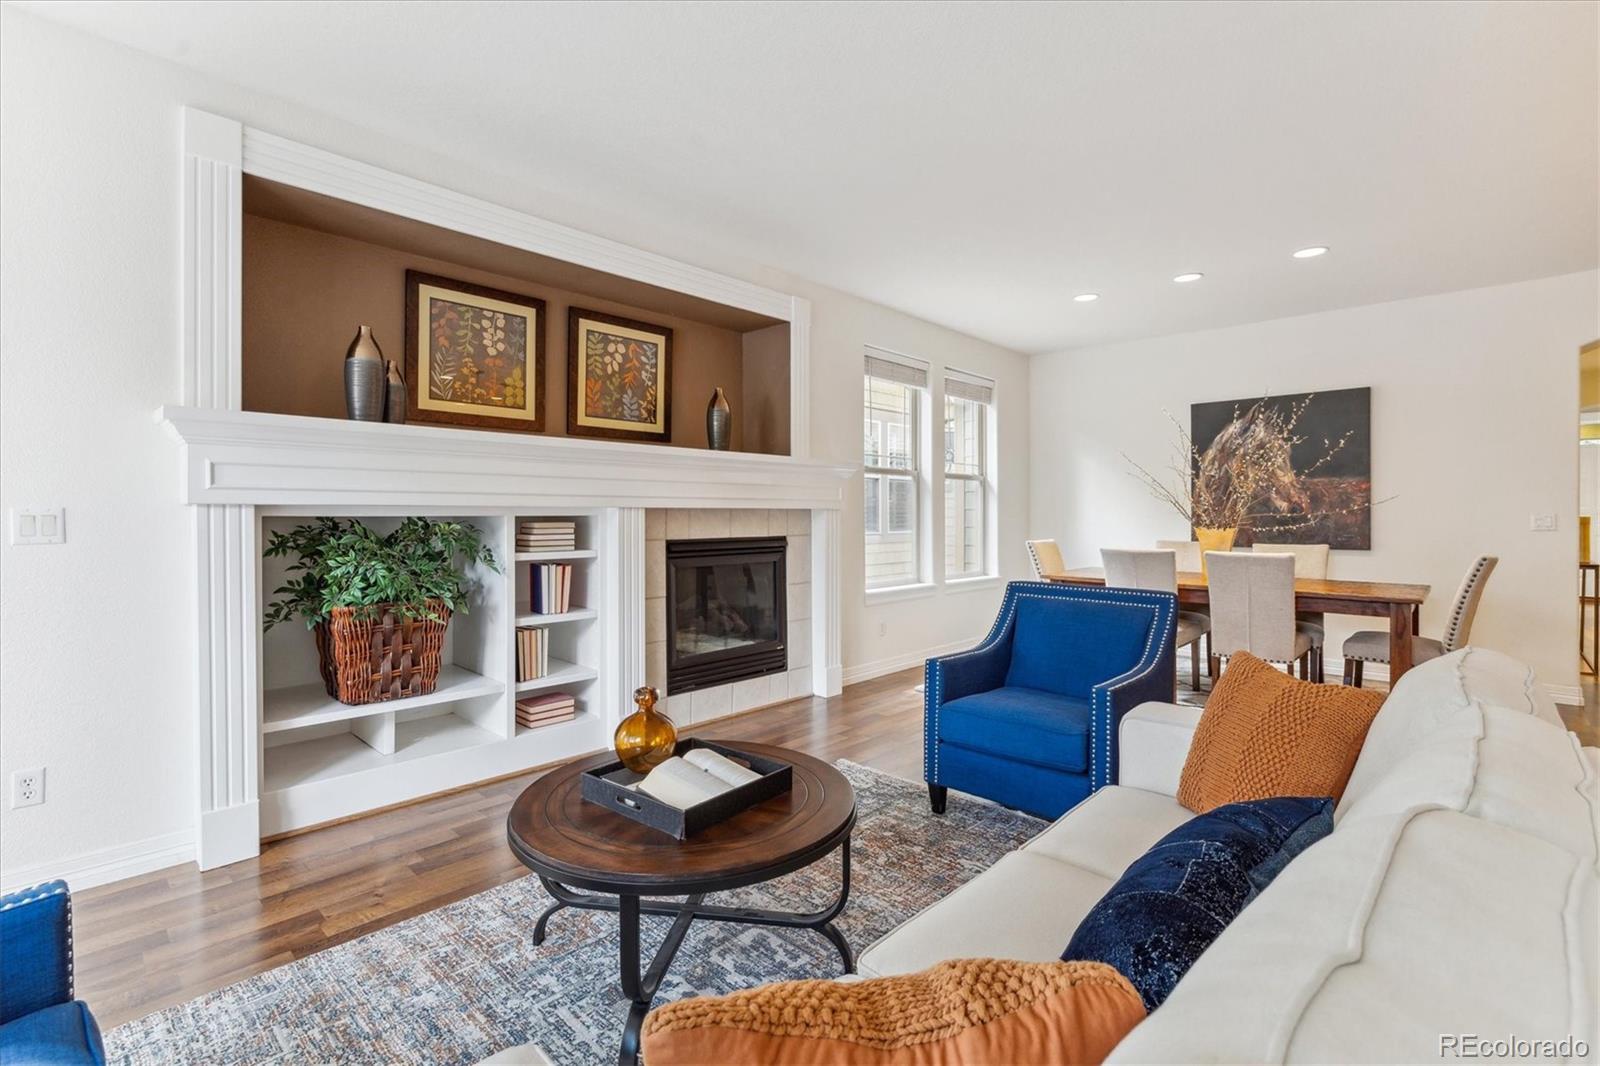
(245, 457)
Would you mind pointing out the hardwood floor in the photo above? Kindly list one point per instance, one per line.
(164, 938)
(169, 936)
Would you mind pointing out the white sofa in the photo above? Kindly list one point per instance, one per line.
(1455, 899)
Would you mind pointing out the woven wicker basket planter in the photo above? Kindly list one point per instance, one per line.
(368, 655)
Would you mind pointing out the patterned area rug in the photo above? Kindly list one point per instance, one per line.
(457, 984)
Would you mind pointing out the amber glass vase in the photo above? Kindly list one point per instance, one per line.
(1213, 540)
(647, 737)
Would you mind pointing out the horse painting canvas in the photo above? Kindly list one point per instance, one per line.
(1319, 490)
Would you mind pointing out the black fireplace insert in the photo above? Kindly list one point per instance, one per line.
(726, 611)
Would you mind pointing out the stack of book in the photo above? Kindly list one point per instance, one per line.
(547, 535)
(547, 708)
(533, 653)
(551, 591)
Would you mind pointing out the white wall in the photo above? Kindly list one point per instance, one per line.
(1474, 399)
(95, 634)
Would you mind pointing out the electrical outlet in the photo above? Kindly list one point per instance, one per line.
(27, 788)
(1542, 523)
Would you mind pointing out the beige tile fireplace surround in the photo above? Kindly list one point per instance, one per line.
(703, 705)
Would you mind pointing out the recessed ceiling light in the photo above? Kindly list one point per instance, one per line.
(1184, 279)
(1311, 253)
(1087, 297)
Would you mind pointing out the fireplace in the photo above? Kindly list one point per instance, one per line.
(726, 611)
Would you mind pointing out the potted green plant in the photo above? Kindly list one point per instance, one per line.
(377, 604)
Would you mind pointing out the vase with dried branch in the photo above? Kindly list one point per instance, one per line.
(1245, 473)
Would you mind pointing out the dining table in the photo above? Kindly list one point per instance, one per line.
(1400, 603)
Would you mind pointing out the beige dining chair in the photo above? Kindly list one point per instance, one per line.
(1157, 571)
(1310, 560)
(1188, 553)
(1371, 646)
(1046, 558)
(1252, 608)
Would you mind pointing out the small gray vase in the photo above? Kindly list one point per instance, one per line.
(719, 422)
(363, 378)
(394, 396)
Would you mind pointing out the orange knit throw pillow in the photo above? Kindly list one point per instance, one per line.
(971, 1012)
(1265, 734)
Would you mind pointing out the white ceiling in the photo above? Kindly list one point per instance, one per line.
(978, 165)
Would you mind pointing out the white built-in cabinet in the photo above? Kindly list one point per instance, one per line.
(322, 759)
(273, 753)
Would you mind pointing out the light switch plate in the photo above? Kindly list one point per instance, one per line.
(1542, 523)
(38, 525)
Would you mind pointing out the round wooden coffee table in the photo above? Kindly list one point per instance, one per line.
(576, 845)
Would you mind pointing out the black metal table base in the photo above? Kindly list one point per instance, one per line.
(640, 987)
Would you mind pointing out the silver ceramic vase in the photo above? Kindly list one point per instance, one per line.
(363, 378)
(719, 422)
(394, 395)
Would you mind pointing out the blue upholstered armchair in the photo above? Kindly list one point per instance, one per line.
(1029, 717)
(40, 1023)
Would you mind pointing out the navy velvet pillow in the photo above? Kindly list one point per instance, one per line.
(1179, 896)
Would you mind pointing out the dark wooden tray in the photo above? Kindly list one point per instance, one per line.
(606, 785)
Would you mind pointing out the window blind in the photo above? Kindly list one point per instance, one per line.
(978, 390)
(900, 370)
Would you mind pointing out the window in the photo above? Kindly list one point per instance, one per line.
(967, 403)
(891, 448)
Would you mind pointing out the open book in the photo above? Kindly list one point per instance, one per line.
(694, 778)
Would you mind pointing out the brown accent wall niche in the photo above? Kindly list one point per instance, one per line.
(306, 290)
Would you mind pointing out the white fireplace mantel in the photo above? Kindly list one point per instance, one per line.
(244, 457)
(239, 467)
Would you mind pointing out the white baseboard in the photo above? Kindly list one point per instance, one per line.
(1565, 695)
(1333, 669)
(106, 865)
(228, 835)
(830, 678)
(868, 671)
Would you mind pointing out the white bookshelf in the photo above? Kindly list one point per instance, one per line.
(574, 636)
(560, 675)
(297, 706)
(322, 759)
(577, 614)
(310, 761)
(556, 556)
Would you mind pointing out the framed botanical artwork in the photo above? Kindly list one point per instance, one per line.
(474, 355)
(619, 377)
